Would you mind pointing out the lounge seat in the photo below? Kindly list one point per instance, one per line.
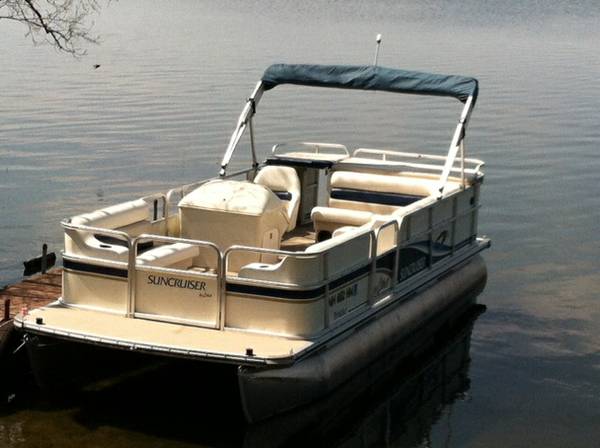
(377, 193)
(130, 217)
(327, 219)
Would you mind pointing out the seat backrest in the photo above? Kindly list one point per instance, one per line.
(115, 216)
(130, 217)
(285, 183)
(377, 193)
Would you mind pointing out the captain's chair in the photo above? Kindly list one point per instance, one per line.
(284, 182)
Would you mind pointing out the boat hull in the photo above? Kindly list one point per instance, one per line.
(62, 367)
(269, 391)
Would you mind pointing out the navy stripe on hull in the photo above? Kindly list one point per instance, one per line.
(276, 292)
(94, 268)
(412, 260)
(350, 276)
(296, 294)
(399, 200)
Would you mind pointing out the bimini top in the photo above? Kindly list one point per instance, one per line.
(370, 77)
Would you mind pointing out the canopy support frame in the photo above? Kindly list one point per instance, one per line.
(456, 145)
(244, 121)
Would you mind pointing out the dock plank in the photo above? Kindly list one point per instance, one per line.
(32, 286)
(33, 292)
(51, 280)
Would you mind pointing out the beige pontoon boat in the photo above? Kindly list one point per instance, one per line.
(257, 270)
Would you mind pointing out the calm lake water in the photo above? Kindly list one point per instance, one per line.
(158, 112)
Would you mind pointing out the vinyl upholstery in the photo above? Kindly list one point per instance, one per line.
(283, 179)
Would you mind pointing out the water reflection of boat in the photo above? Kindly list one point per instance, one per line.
(395, 408)
(250, 270)
(394, 401)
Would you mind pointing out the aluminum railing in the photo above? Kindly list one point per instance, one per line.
(396, 158)
(383, 251)
(314, 147)
(375, 236)
(393, 154)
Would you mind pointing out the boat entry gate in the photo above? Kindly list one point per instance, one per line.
(186, 296)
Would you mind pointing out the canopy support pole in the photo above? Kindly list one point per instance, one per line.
(378, 40)
(462, 164)
(252, 145)
(455, 145)
(244, 121)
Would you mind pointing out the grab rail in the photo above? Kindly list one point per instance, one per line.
(153, 199)
(316, 148)
(375, 236)
(395, 247)
(67, 224)
(385, 153)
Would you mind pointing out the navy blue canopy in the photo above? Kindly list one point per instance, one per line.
(370, 77)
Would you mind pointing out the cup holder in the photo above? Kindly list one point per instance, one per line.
(105, 246)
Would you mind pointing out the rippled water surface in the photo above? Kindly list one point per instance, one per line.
(158, 112)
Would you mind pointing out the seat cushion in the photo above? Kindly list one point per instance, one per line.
(115, 216)
(327, 220)
(407, 185)
(169, 255)
(340, 216)
(377, 193)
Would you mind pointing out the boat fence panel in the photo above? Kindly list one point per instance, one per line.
(433, 233)
(466, 215)
(99, 290)
(94, 282)
(310, 304)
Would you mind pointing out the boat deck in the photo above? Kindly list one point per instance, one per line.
(169, 339)
(299, 238)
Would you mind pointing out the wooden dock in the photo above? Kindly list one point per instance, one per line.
(33, 292)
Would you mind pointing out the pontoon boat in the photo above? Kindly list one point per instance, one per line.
(253, 269)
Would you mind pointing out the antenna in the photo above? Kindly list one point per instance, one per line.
(378, 40)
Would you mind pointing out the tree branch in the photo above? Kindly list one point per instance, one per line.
(62, 23)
